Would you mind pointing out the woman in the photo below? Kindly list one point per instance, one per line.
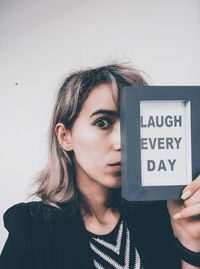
(81, 221)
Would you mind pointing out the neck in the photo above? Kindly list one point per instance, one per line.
(96, 197)
(102, 220)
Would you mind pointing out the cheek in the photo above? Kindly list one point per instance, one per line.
(89, 147)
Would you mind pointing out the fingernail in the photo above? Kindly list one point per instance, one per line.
(186, 195)
(177, 216)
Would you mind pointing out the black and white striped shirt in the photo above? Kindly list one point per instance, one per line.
(115, 250)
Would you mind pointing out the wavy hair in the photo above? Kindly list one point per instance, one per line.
(56, 182)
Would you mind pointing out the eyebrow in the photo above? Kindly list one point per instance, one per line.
(105, 111)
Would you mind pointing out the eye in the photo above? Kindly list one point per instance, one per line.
(103, 123)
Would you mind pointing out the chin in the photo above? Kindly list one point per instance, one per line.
(116, 185)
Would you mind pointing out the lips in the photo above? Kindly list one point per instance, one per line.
(115, 168)
(115, 164)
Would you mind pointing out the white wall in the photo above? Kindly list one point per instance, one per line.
(42, 40)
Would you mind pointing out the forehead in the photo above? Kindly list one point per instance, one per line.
(99, 98)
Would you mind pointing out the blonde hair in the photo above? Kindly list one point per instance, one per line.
(56, 182)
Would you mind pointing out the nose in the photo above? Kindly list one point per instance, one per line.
(116, 137)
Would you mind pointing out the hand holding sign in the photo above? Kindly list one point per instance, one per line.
(185, 216)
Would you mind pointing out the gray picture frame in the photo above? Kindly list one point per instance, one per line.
(132, 189)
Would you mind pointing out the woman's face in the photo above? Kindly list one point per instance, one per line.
(95, 138)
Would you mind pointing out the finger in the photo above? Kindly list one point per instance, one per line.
(191, 188)
(194, 199)
(174, 206)
(187, 212)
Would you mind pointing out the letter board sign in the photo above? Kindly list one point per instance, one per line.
(160, 134)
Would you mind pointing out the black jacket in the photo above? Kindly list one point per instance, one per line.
(41, 237)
